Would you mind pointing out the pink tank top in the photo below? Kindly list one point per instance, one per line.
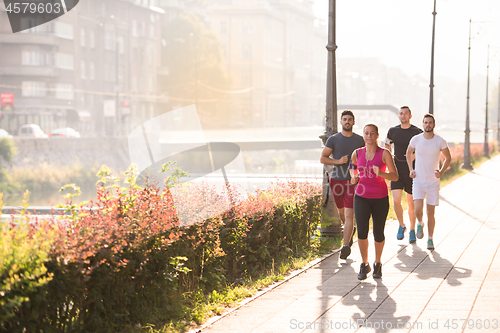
(369, 185)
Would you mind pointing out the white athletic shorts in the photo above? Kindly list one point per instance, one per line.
(426, 190)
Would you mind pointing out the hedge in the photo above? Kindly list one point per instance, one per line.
(124, 259)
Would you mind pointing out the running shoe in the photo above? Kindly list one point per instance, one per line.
(420, 231)
(430, 244)
(352, 236)
(345, 252)
(363, 270)
(377, 270)
(401, 232)
(412, 237)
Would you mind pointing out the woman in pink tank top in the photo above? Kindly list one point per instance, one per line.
(368, 170)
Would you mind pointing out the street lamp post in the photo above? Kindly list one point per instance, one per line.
(498, 113)
(431, 85)
(486, 145)
(334, 229)
(467, 163)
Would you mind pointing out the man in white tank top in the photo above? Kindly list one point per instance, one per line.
(428, 148)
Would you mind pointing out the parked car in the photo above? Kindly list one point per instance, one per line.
(4, 134)
(31, 131)
(65, 132)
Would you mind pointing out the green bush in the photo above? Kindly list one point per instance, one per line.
(24, 277)
(128, 262)
(7, 149)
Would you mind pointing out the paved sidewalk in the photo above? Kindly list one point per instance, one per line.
(454, 288)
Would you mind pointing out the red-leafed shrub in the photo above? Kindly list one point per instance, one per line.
(457, 155)
(125, 259)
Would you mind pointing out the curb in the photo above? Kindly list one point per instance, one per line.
(290, 276)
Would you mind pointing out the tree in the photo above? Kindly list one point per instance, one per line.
(193, 57)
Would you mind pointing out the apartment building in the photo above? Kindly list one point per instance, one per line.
(93, 69)
(275, 54)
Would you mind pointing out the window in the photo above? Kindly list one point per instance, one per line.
(83, 70)
(150, 54)
(223, 27)
(151, 111)
(92, 39)
(151, 84)
(152, 31)
(121, 44)
(82, 37)
(64, 91)
(134, 84)
(64, 30)
(246, 27)
(135, 32)
(35, 27)
(64, 61)
(246, 80)
(32, 57)
(34, 89)
(246, 52)
(109, 41)
(143, 29)
(110, 72)
(92, 70)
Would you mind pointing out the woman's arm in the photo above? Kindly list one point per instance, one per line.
(389, 161)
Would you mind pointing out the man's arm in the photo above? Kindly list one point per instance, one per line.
(327, 160)
(409, 160)
(388, 142)
(388, 145)
(447, 160)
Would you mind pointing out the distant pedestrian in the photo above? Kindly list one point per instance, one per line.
(428, 148)
(368, 170)
(337, 152)
(400, 136)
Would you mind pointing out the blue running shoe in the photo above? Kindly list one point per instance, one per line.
(430, 245)
(412, 237)
(401, 233)
(420, 231)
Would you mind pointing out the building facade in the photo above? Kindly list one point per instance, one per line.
(273, 52)
(93, 69)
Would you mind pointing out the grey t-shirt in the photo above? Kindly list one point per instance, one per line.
(341, 146)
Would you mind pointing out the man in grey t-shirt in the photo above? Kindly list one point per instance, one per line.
(337, 152)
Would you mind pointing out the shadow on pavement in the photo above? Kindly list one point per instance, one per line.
(368, 297)
(444, 268)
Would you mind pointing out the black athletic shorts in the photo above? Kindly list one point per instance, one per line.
(404, 182)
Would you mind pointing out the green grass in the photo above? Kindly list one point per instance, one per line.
(199, 306)
(449, 177)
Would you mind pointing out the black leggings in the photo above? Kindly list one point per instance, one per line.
(365, 208)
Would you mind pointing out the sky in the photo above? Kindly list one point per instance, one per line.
(399, 32)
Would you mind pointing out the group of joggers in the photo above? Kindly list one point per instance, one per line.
(359, 174)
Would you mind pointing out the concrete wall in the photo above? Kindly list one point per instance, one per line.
(112, 152)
